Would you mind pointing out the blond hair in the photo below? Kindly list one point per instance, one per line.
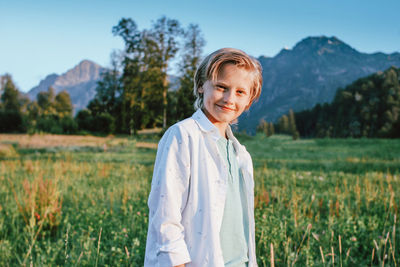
(210, 67)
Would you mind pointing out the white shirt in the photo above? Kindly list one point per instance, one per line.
(187, 198)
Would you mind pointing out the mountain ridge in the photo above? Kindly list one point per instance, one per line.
(296, 78)
(308, 74)
(80, 82)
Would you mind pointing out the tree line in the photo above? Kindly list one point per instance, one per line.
(369, 107)
(50, 112)
(286, 124)
(132, 95)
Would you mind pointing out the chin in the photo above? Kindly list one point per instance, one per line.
(226, 119)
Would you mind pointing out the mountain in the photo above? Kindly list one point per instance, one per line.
(308, 74)
(80, 82)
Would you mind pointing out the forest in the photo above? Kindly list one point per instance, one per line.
(126, 101)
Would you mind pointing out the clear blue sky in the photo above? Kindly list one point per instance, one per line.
(41, 37)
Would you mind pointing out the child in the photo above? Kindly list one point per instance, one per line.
(201, 201)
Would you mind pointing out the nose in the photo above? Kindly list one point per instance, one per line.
(229, 96)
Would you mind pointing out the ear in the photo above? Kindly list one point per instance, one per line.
(200, 90)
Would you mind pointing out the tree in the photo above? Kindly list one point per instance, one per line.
(109, 88)
(84, 120)
(292, 126)
(140, 78)
(262, 127)
(52, 113)
(63, 105)
(166, 33)
(283, 124)
(103, 113)
(11, 117)
(10, 96)
(145, 65)
(191, 56)
(131, 77)
(45, 101)
(271, 129)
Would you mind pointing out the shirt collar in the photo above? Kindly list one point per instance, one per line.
(231, 137)
(205, 124)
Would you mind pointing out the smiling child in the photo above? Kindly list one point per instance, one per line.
(201, 204)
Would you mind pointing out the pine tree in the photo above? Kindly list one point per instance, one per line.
(11, 117)
(292, 126)
(264, 127)
(271, 129)
(283, 123)
(10, 96)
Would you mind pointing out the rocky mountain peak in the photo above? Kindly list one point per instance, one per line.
(80, 82)
(85, 71)
(322, 45)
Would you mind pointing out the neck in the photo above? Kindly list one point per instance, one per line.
(222, 129)
(221, 126)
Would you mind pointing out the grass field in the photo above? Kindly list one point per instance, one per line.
(81, 201)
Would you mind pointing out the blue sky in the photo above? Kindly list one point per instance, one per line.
(43, 37)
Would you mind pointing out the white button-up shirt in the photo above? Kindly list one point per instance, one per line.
(187, 198)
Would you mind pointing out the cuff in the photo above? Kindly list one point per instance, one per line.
(173, 254)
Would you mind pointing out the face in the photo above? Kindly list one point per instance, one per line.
(226, 98)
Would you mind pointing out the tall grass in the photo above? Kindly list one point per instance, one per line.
(318, 202)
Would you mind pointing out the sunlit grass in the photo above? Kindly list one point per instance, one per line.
(318, 202)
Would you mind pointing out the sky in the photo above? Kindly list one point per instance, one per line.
(41, 37)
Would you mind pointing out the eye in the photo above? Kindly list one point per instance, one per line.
(241, 92)
(220, 87)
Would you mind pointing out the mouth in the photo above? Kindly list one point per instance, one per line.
(225, 108)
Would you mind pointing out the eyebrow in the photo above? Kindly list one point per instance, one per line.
(223, 84)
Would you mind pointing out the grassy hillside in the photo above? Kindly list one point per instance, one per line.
(81, 201)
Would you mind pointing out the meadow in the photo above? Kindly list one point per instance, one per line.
(82, 200)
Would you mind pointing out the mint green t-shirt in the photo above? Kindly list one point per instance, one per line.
(235, 228)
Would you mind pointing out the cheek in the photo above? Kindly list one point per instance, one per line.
(246, 104)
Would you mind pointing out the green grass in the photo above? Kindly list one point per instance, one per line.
(309, 195)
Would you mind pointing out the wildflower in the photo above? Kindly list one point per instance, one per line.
(354, 239)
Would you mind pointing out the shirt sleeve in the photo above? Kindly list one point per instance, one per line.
(168, 196)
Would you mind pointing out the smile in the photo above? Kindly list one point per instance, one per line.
(225, 108)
